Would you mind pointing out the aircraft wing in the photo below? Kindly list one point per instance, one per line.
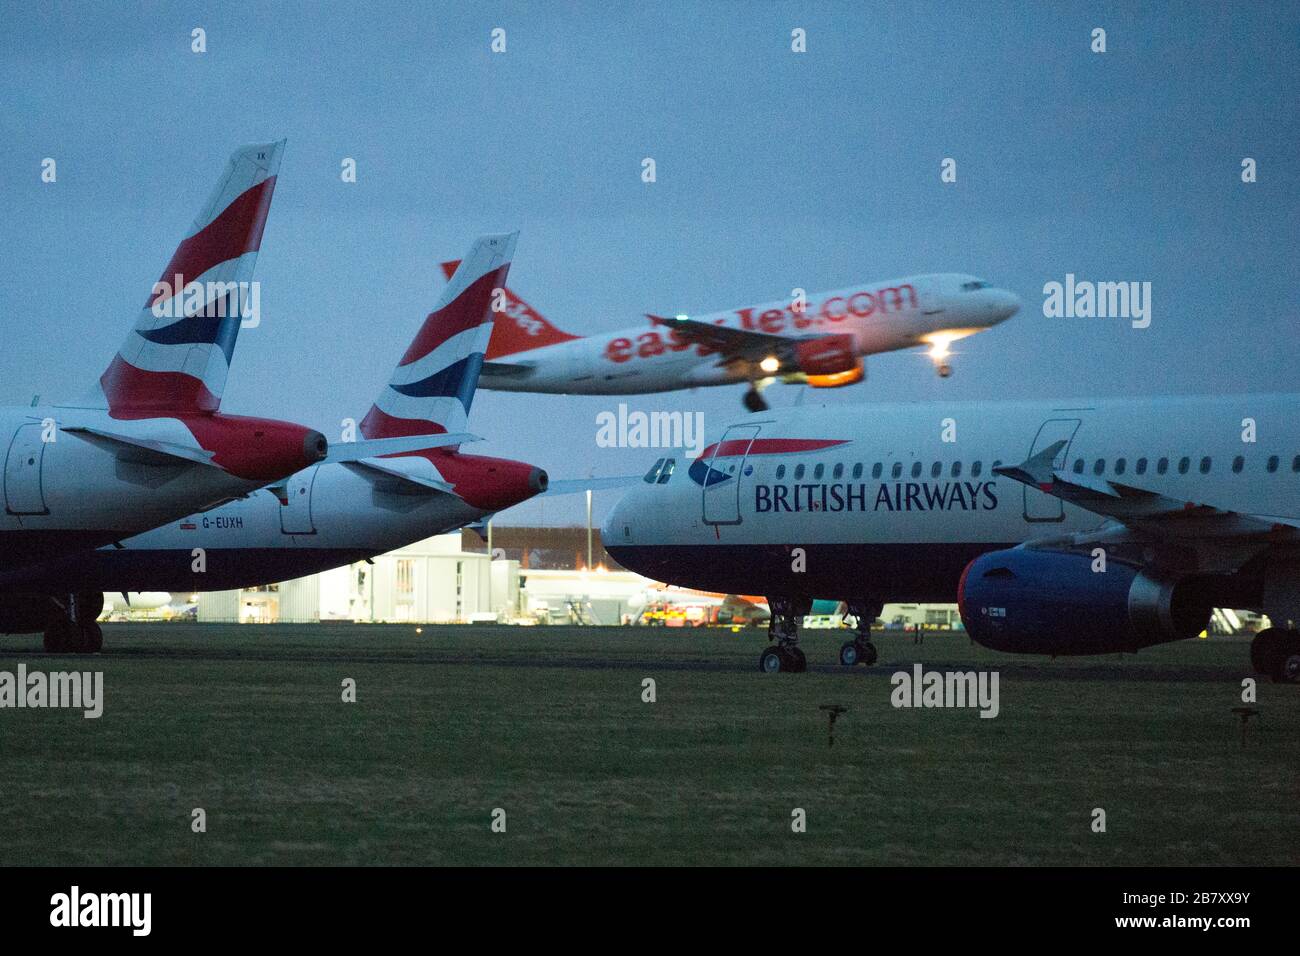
(1220, 538)
(736, 344)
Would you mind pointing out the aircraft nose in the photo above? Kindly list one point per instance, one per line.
(1003, 303)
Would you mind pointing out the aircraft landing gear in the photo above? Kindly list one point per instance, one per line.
(860, 650)
(754, 401)
(783, 629)
(72, 629)
(944, 369)
(1275, 651)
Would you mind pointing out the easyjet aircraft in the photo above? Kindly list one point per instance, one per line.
(1080, 527)
(335, 513)
(149, 444)
(820, 341)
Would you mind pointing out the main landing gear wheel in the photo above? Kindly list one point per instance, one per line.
(62, 636)
(852, 652)
(92, 638)
(754, 401)
(944, 370)
(1276, 652)
(775, 660)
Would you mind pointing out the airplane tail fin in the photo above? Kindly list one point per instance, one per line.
(519, 327)
(433, 385)
(176, 358)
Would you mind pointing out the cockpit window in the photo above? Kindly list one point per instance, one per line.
(667, 471)
(653, 474)
(974, 285)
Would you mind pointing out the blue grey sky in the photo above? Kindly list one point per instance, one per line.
(775, 170)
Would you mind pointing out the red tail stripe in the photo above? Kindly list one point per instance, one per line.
(135, 390)
(379, 424)
(468, 310)
(235, 231)
(520, 328)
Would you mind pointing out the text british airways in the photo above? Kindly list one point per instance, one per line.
(887, 496)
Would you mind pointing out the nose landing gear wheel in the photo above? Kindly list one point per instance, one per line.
(754, 401)
(945, 370)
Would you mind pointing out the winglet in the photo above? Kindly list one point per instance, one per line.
(1037, 470)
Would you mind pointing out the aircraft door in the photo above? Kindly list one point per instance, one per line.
(723, 472)
(295, 512)
(23, 492)
(930, 296)
(1040, 506)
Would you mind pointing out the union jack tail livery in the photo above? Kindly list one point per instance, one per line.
(518, 327)
(176, 358)
(433, 385)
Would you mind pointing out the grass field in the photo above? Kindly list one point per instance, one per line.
(549, 725)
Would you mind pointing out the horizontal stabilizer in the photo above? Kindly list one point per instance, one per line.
(143, 451)
(395, 481)
(376, 447)
(572, 486)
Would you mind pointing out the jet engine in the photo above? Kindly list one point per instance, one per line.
(1051, 602)
(828, 355)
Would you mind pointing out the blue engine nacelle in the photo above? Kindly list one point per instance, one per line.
(1053, 602)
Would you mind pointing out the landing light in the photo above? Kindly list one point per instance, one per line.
(770, 364)
(681, 318)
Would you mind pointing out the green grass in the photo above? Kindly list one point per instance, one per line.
(548, 723)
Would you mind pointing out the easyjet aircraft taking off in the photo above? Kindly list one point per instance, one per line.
(1081, 527)
(149, 443)
(819, 342)
(335, 513)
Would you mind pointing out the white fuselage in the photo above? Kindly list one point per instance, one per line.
(64, 492)
(879, 316)
(893, 501)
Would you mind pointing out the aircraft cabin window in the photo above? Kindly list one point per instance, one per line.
(876, 469)
(997, 463)
(936, 469)
(667, 473)
(780, 472)
(897, 470)
(798, 472)
(1238, 463)
(956, 469)
(1099, 466)
(916, 469)
(838, 471)
(1295, 463)
(1141, 466)
(819, 471)
(1205, 465)
(976, 468)
(1183, 464)
(1162, 466)
(653, 473)
(1078, 466)
(1272, 464)
(857, 470)
(1120, 466)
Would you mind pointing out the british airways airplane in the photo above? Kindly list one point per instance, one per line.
(819, 340)
(335, 513)
(1064, 527)
(150, 443)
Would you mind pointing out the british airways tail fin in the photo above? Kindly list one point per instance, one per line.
(176, 358)
(432, 388)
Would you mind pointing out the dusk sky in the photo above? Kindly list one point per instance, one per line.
(775, 170)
